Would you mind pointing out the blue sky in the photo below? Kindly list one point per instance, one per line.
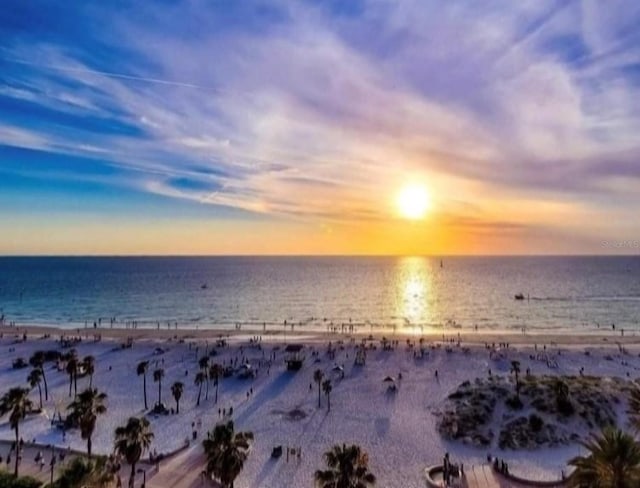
(303, 118)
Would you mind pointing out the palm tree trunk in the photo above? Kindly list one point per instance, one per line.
(217, 382)
(75, 384)
(17, 453)
(132, 477)
(328, 403)
(159, 391)
(177, 406)
(144, 387)
(91, 380)
(46, 388)
(89, 447)
(318, 395)
(70, 383)
(206, 395)
(40, 392)
(199, 393)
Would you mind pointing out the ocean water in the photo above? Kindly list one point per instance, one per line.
(371, 293)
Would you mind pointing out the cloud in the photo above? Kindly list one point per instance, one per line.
(306, 111)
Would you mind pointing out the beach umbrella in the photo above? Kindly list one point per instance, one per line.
(388, 379)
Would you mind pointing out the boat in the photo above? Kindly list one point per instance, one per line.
(204, 286)
(519, 296)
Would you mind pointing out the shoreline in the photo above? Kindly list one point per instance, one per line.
(473, 338)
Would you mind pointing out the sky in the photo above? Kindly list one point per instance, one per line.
(289, 127)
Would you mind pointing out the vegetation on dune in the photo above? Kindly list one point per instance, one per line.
(530, 412)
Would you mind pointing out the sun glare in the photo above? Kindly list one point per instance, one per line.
(413, 201)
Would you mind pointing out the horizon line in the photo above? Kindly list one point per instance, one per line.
(438, 256)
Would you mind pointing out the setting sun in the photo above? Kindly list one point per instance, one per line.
(413, 201)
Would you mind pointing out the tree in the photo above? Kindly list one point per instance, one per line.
(8, 480)
(35, 379)
(84, 413)
(199, 380)
(81, 472)
(215, 371)
(89, 365)
(326, 388)
(158, 374)
(176, 390)
(226, 452)
(132, 440)
(37, 361)
(613, 461)
(317, 377)
(142, 368)
(16, 403)
(515, 369)
(204, 367)
(348, 468)
(72, 370)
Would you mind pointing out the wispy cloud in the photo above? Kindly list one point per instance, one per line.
(301, 109)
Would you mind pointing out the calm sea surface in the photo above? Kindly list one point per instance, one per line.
(565, 293)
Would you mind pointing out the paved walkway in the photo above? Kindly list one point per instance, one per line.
(482, 477)
(181, 471)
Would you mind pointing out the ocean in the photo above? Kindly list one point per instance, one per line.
(410, 294)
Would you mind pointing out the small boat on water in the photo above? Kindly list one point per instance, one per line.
(519, 296)
(204, 286)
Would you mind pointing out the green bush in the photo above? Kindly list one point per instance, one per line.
(514, 403)
(7, 480)
(535, 423)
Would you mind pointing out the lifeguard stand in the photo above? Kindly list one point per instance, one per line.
(295, 357)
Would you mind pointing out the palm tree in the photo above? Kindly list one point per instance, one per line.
(199, 380)
(37, 361)
(82, 472)
(158, 374)
(226, 451)
(132, 441)
(72, 370)
(17, 404)
(326, 388)
(35, 379)
(204, 367)
(84, 412)
(89, 365)
(613, 461)
(214, 374)
(515, 369)
(634, 409)
(348, 468)
(176, 390)
(142, 371)
(317, 377)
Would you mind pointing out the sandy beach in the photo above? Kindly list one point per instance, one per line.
(399, 430)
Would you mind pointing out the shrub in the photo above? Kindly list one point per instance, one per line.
(7, 480)
(514, 403)
(535, 423)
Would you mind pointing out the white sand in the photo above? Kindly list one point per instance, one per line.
(398, 431)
